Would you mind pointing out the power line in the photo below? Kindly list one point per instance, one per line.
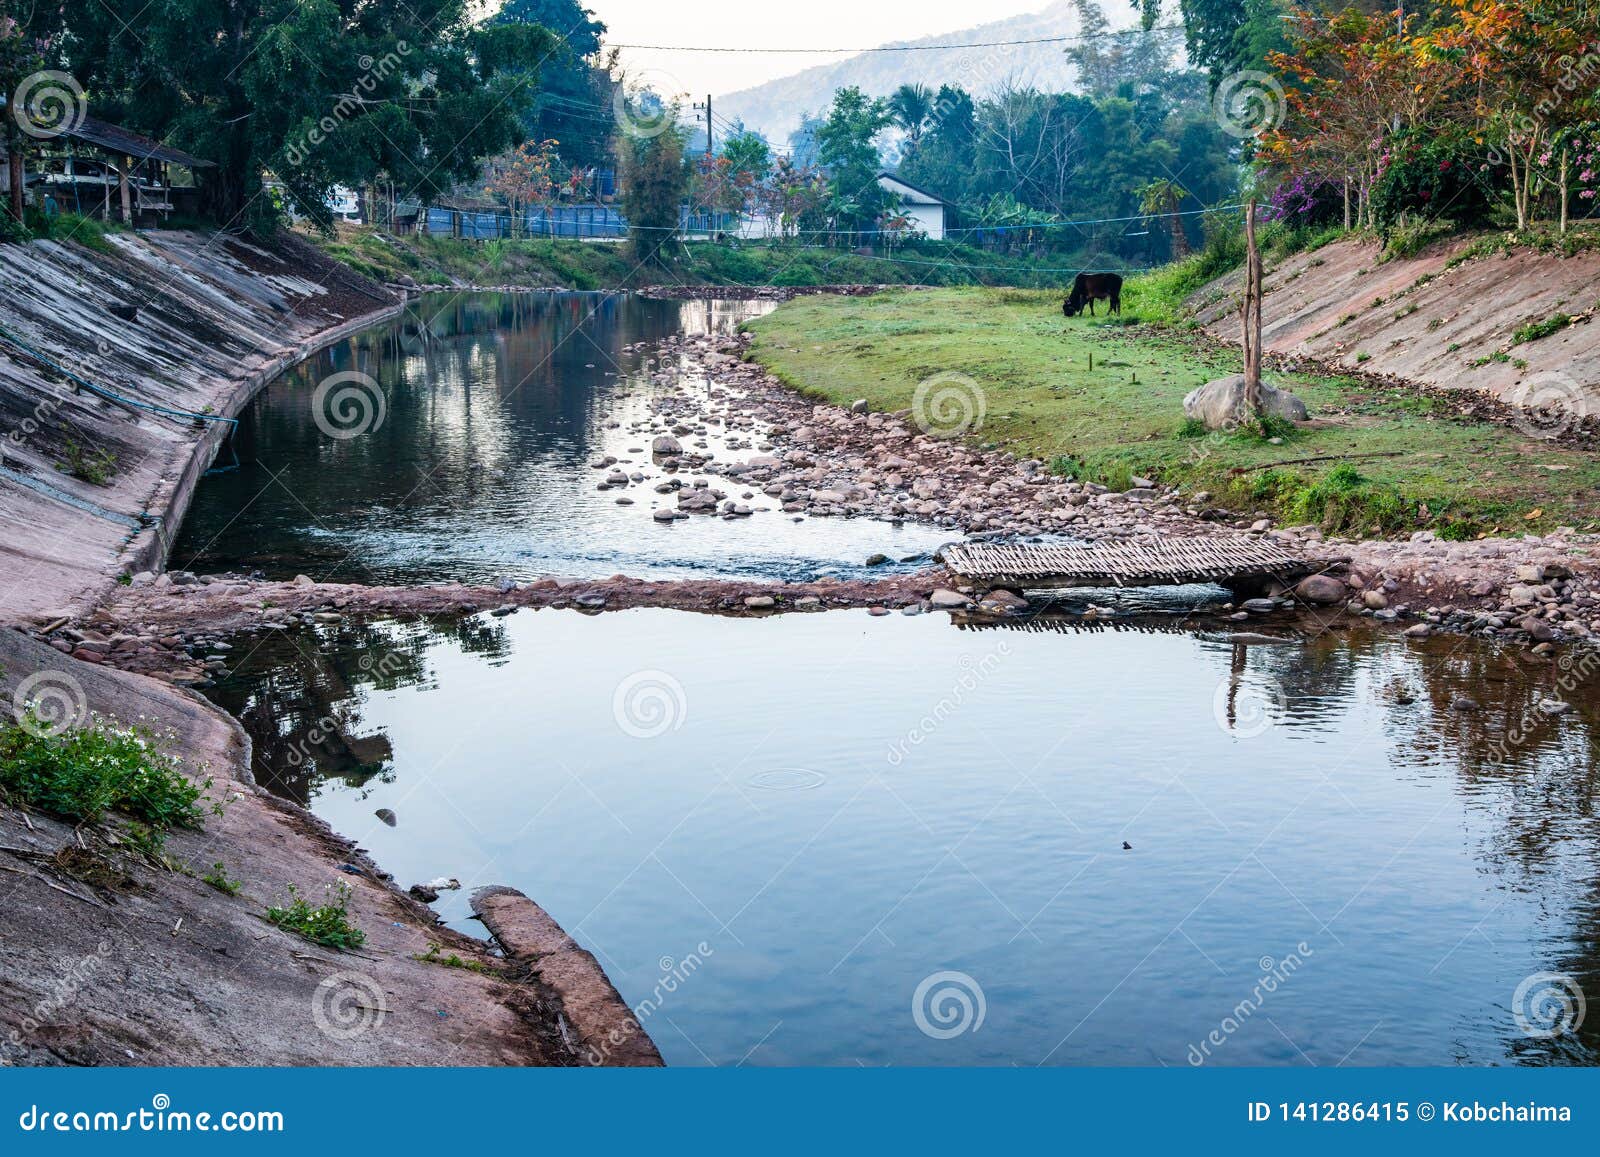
(902, 47)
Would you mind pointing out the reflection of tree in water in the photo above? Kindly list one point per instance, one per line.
(300, 697)
(1530, 774)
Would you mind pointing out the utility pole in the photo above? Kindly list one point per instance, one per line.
(711, 145)
(711, 148)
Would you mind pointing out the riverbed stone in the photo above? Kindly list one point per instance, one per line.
(1321, 590)
(1220, 404)
(948, 600)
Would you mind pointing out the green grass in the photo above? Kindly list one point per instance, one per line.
(1412, 463)
(327, 924)
(217, 877)
(436, 955)
(82, 774)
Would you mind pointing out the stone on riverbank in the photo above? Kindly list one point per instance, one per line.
(1220, 404)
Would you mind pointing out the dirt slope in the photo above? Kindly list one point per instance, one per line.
(1424, 321)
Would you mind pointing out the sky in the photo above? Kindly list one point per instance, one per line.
(832, 23)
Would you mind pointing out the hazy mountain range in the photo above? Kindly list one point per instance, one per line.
(774, 108)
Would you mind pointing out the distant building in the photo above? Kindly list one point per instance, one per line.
(925, 210)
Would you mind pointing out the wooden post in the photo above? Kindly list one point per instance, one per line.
(1251, 313)
(1563, 188)
(122, 186)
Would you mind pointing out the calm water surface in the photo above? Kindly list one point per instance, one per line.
(493, 406)
(810, 818)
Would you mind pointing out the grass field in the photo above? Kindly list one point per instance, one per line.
(1104, 401)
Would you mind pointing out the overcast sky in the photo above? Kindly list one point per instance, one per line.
(832, 23)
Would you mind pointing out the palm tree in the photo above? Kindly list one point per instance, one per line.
(911, 108)
(1160, 198)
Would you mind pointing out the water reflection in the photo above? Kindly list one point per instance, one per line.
(492, 406)
(1428, 869)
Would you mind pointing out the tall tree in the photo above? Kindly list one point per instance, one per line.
(655, 178)
(319, 92)
(574, 104)
(847, 148)
(911, 109)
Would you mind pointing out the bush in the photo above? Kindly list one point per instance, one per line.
(1434, 175)
(328, 925)
(82, 774)
(1306, 201)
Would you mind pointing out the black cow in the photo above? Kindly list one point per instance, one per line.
(1088, 288)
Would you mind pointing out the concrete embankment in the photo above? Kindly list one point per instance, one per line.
(118, 954)
(1434, 318)
(177, 323)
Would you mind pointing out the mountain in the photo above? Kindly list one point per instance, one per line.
(774, 108)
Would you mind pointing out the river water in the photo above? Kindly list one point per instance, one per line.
(839, 839)
(468, 457)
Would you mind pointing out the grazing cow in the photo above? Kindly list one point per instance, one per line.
(1088, 288)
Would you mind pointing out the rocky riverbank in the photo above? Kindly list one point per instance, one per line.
(748, 447)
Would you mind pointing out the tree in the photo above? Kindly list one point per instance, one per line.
(20, 57)
(654, 181)
(319, 93)
(1225, 37)
(847, 148)
(911, 109)
(1106, 61)
(574, 104)
(946, 153)
(794, 196)
(1160, 198)
(522, 178)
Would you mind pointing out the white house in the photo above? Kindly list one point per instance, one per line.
(925, 210)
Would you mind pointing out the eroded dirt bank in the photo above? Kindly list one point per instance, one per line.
(114, 953)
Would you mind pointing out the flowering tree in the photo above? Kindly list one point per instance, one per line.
(523, 178)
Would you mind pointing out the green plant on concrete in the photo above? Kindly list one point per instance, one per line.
(435, 955)
(83, 773)
(93, 466)
(326, 924)
(217, 877)
(1534, 330)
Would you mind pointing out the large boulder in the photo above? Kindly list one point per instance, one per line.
(1221, 405)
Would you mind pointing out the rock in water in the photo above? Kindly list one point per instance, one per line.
(1220, 404)
(386, 816)
(666, 444)
(1321, 590)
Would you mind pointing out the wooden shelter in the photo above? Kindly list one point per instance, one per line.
(103, 170)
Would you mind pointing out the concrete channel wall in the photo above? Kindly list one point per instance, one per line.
(213, 318)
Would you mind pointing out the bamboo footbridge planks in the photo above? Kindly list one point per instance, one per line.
(1235, 561)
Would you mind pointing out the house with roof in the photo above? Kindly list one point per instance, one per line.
(926, 211)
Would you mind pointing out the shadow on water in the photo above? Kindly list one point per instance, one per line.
(966, 792)
(469, 458)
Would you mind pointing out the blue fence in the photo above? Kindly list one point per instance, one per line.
(576, 221)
